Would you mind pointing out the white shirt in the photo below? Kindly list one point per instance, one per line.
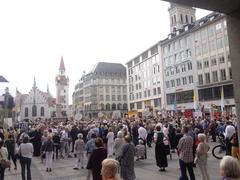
(64, 136)
(165, 131)
(229, 131)
(26, 150)
(110, 137)
(142, 133)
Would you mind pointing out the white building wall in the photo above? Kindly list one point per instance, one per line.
(40, 101)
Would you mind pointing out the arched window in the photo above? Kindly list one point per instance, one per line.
(181, 17)
(119, 106)
(26, 112)
(125, 106)
(172, 20)
(34, 110)
(102, 107)
(191, 19)
(186, 18)
(108, 107)
(113, 106)
(42, 111)
(175, 19)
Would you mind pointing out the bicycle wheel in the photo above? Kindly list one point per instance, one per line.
(219, 151)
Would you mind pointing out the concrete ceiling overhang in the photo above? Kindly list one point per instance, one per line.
(223, 6)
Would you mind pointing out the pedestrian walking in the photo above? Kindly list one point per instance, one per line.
(79, 151)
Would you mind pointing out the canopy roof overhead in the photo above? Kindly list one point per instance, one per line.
(2, 79)
(223, 6)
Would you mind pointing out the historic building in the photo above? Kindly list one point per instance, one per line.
(194, 64)
(62, 94)
(145, 81)
(103, 89)
(212, 61)
(34, 105)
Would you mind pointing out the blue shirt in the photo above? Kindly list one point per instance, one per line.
(90, 146)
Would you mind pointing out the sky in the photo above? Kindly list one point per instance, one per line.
(35, 34)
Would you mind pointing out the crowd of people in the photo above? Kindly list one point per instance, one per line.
(106, 147)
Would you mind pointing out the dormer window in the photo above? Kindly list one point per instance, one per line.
(186, 28)
(211, 18)
(201, 23)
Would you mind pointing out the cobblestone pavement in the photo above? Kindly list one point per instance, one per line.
(145, 170)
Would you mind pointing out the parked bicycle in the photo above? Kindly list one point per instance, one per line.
(219, 150)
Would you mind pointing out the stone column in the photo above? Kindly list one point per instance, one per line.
(233, 27)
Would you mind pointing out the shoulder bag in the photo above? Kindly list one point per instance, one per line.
(4, 162)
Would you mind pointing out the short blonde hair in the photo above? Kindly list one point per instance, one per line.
(201, 137)
(109, 168)
(230, 167)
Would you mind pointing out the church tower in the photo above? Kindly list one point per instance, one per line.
(62, 95)
(180, 15)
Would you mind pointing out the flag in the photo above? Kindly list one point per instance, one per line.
(175, 103)
(222, 99)
(194, 101)
(203, 110)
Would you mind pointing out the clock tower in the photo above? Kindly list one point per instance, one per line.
(62, 95)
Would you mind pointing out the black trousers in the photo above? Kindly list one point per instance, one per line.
(26, 163)
(184, 167)
(56, 148)
(2, 171)
(12, 156)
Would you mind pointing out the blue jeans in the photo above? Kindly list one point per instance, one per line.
(184, 167)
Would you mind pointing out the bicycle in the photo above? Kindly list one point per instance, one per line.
(219, 150)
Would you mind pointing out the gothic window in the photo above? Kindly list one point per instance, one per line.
(34, 110)
(119, 106)
(26, 112)
(102, 107)
(113, 106)
(191, 19)
(181, 17)
(186, 19)
(125, 106)
(108, 107)
(42, 111)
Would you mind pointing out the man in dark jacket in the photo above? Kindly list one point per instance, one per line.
(73, 133)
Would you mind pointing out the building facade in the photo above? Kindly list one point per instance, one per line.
(104, 89)
(211, 51)
(34, 105)
(145, 81)
(62, 94)
(195, 68)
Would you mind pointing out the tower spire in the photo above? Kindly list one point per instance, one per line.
(34, 82)
(62, 66)
(47, 88)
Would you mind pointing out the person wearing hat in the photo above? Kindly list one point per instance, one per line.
(79, 151)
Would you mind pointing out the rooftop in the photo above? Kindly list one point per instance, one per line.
(109, 68)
